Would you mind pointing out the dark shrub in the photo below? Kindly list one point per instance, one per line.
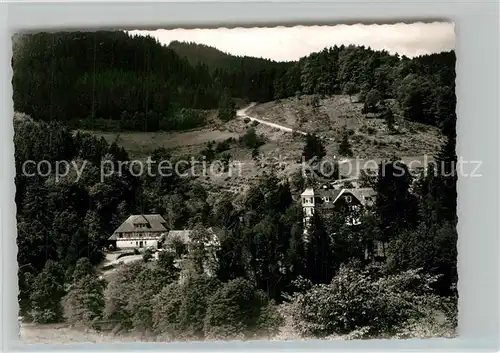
(365, 301)
(238, 310)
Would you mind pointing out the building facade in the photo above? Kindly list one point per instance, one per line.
(328, 200)
(351, 202)
(140, 231)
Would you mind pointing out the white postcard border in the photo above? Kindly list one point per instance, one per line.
(477, 50)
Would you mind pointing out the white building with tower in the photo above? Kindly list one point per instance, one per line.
(328, 200)
(350, 201)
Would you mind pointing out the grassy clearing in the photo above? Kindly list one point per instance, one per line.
(369, 138)
(64, 334)
(141, 144)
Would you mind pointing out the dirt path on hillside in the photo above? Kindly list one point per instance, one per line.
(242, 114)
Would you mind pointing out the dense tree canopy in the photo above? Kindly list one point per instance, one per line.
(263, 243)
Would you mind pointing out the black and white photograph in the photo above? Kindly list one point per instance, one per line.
(266, 183)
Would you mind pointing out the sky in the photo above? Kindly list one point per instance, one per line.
(292, 43)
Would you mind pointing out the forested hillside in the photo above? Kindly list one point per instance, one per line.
(424, 87)
(215, 59)
(106, 75)
(201, 54)
(114, 80)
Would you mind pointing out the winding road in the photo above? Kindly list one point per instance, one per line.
(242, 114)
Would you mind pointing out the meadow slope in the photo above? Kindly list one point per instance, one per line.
(370, 139)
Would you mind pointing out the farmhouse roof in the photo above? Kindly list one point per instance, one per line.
(156, 222)
(153, 222)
